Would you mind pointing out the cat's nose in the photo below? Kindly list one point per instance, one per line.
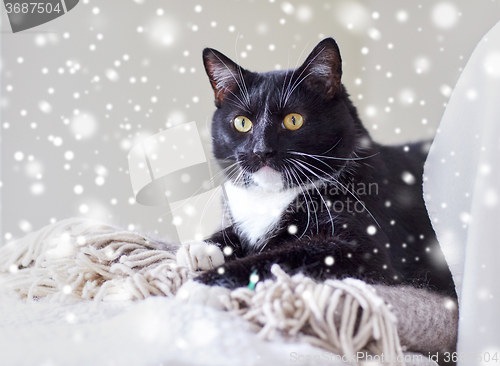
(263, 152)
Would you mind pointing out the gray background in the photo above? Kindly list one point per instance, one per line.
(79, 92)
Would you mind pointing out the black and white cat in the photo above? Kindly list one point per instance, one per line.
(308, 188)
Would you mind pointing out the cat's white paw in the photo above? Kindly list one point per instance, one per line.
(198, 255)
(194, 292)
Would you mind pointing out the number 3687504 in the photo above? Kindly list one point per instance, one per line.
(32, 8)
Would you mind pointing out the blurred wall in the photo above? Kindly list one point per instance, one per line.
(79, 92)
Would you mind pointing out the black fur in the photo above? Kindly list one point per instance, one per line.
(403, 250)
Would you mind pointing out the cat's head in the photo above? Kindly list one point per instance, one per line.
(283, 128)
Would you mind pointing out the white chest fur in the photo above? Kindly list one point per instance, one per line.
(255, 211)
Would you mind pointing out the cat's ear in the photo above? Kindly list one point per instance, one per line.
(322, 69)
(224, 74)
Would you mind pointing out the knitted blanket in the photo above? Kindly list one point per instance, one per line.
(77, 260)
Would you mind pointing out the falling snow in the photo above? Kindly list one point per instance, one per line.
(292, 229)
(77, 124)
(329, 261)
(445, 15)
(371, 230)
(408, 178)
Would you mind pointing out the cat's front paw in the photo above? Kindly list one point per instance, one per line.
(194, 292)
(198, 255)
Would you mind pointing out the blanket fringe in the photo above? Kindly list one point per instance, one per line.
(342, 316)
(78, 259)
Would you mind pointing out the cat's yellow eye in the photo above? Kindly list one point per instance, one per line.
(242, 124)
(293, 121)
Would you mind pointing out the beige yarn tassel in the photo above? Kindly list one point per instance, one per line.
(322, 314)
(78, 259)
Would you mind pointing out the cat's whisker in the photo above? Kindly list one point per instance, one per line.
(282, 92)
(333, 178)
(291, 75)
(216, 190)
(242, 105)
(224, 169)
(240, 175)
(223, 216)
(199, 191)
(243, 177)
(228, 174)
(236, 103)
(292, 89)
(245, 105)
(333, 147)
(311, 200)
(208, 129)
(214, 193)
(336, 172)
(331, 157)
(212, 180)
(293, 176)
(296, 84)
(278, 102)
(224, 173)
(320, 196)
(288, 179)
(227, 159)
(336, 181)
(245, 90)
(246, 176)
